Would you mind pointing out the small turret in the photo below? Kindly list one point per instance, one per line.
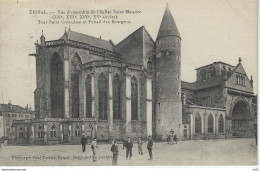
(251, 81)
(42, 39)
(65, 37)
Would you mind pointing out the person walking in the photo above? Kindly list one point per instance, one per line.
(129, 146)
(83, 143)
(94, 147)
(114, 150)
(150, 147)
(140, 143)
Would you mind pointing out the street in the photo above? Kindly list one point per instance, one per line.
(227, 152)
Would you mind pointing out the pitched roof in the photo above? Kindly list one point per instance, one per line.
(209, 82)
(13, 108)
(168, 26)
(132, 48)
(97, 42)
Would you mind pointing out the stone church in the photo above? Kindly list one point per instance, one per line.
(92, 87)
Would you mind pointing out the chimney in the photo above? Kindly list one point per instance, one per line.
(251, 81)
(26, 107)
(42, 39)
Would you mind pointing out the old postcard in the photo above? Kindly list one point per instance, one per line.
(128, 83)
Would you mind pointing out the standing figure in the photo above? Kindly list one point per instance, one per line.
(94, 147)
(83, 143)
(114, 150)
(172, 134)
(124, 143)
(175, 138)
(129, 146)
(140, 143)
(150, 147)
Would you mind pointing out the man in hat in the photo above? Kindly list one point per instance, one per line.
(129, 146)
(114, 150)
(150, 147)
(83, 143)
(140, 148)
(94, 147)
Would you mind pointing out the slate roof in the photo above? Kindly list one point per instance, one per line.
(97, 42)
(201, 84)
(14, 109)
(132, 47)
(168, 26)
(209, 82)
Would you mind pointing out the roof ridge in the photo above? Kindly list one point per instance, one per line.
(86, 35)
(129, 35)
(215, 63)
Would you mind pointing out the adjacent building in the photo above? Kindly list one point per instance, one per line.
(10, 112)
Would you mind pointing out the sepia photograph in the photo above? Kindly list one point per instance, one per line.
(128, 83)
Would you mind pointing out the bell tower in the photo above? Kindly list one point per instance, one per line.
(168, 105)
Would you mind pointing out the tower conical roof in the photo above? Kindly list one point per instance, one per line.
(168, 26)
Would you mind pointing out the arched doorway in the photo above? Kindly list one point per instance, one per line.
(239, 116)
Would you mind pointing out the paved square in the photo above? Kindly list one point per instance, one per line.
(240, 151)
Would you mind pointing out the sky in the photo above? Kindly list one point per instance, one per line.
(211, 31)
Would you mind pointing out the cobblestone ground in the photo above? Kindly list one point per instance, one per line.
(190, 153)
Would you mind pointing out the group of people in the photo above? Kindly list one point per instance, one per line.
(127, 144)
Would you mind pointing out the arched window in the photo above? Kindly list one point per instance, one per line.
(102, 96)
(74, 90)
(203, 74)
(57, 88)
(210, 124)
(21, 134)
(213, 72)
(134, 98)
(77, 131)
(198, 124)
(237, 76)
(220, 124)
(149, 66)
(40, 132)
(53, 131)
(116, 98)
(88, 97)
